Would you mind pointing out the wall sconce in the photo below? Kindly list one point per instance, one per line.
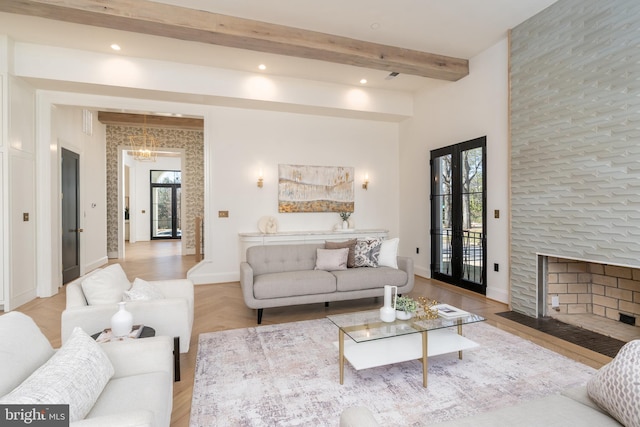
(365, 184)
(260, 180)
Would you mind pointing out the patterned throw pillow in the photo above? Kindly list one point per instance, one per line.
(367, 252)
(616, 386)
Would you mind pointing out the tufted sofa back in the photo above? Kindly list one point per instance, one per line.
(280, 258)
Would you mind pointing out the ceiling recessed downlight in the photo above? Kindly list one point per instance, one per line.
(115, 46)
(363, 81)
(262, 67)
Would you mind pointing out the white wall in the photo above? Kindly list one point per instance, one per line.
(241, 142)
(456, 112)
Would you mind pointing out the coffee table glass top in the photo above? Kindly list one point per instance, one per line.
(364, 326)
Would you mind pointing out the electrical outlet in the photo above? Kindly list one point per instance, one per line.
(496, 213)
(417, 250)
(223, 214)
(496, 267)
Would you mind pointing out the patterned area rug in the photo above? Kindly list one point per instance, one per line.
(287, 375)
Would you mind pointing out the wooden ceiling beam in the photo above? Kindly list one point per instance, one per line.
(125, 119)
(147, 17)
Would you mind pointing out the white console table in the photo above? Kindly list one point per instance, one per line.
(294, 237)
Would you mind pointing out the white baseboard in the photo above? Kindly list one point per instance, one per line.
(202, 273)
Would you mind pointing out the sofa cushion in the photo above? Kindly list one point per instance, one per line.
(150, 391)
(389, 253)
(351, 244)
(367, 252)
(332, 259)
(25, 349)
(141, 290)
(75, 375)
(106, 286)
(293, 283)
(616, 386)
(280, 258)
(368, 278)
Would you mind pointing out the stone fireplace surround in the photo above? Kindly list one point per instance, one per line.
(590, 288)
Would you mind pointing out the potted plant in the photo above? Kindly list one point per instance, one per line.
(345, 219)
(405, 307)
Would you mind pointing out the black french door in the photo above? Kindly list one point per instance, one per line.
(458, 214)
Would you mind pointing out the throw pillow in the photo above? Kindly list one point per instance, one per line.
(141, 290)
(351, 244)
(75, 375)
(367, 252)
(331, 259)
(105, 286)
(389, 253)
(616, 386)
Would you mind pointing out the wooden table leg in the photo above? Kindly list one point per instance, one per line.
(176, 358)
(424, 358)
(341, 356)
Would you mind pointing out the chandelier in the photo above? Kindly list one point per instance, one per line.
(144, 146)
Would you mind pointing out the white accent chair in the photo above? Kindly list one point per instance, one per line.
(171, 316)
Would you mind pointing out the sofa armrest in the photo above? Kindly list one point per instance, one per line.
(139, 418)
(178, 288)
(169, 316)
(140, 356)
(246, 283)
(406, 264)
(75, 295)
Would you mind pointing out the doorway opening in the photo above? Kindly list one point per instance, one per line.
(458, 214)
(166, 192)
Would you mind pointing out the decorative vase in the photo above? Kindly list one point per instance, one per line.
(403, 315)
(388, 311)
(345, 225)
(122, 321)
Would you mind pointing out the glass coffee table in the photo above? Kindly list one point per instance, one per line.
(371, 342)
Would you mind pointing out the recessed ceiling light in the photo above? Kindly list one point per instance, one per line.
(262, 67)
(375, 26)
(363, 81)
(115, 46)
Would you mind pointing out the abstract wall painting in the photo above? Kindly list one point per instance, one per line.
(315, 188)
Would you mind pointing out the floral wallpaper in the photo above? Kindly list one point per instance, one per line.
(192, 142)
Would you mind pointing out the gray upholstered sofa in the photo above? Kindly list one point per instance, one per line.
(610, 398)
(283, 275)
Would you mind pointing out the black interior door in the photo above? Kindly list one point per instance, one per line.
(458, 214)
(70, 216)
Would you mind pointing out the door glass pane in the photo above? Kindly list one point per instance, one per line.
(442, 213)
(472, 214)
(161, 225)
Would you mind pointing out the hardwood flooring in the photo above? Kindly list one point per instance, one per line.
(220, 307)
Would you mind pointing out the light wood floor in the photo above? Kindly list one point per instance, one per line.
(220, 307)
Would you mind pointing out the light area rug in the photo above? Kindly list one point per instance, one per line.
(288, 375)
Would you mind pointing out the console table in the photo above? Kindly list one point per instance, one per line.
(296, 237)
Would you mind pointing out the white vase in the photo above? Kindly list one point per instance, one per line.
(403, 315)
(122, 321)
(345, 224)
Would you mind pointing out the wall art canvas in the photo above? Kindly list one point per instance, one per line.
(315, 188)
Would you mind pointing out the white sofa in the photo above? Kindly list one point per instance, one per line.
(119, 384)
(171, 314)
(610, 398)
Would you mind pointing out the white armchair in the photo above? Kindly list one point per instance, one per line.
(171, 316)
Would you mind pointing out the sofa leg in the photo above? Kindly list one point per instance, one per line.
(260, 316)
(326, 304)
